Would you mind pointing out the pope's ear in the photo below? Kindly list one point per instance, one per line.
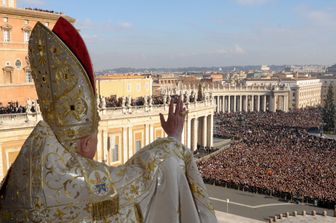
(84, 142)
(86, 149)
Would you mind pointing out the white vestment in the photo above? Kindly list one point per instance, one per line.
(47, 183)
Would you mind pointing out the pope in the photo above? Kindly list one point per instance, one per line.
(55, 179)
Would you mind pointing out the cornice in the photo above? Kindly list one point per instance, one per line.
(34, 14)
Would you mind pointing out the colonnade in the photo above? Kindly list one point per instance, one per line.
(200, 132)
(251, 102)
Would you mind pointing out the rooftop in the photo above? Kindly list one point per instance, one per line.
(121, 76)
(35, 12)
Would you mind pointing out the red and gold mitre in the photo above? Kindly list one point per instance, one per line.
(64, 81)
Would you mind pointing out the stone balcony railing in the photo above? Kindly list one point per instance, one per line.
(221, 88)
(17, 120)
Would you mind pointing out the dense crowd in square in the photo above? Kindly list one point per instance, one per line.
(273, 153)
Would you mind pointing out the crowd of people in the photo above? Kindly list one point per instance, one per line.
(44, 10)
(12, 107)
(273, 153)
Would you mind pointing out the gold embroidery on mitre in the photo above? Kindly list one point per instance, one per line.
(65, 93)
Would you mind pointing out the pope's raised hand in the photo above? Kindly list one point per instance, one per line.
(175, 121)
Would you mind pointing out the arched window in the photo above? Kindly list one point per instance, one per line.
(18, 64)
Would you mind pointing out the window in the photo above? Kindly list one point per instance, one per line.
(26, 22)
(5, 19)
(137, 145)
(115, 153)
(4, 2)
(129, 88)
(6, 35)
(26, 35)
(18, 64)
(29, 78)
(114, 147)
(11, 3)
(138, 87)
(8, 77)
(147, 86)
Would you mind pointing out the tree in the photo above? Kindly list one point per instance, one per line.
(329, 111)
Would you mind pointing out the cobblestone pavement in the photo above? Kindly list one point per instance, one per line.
(258, 207)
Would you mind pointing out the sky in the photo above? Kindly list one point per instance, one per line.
(183, 33)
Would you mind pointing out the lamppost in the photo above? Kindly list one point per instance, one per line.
(322, 124)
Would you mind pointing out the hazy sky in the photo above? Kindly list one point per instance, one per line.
(180, 33)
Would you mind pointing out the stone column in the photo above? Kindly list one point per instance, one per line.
(234, 103)
(210, 130)
(229, 103)
(252, 109)
(147, 133)
(130, 142)
(104, 156)
(204, 131)
(194, 134)
(246, 103)
(259, 104)
(222, 103)
(273, 102)
(286, 103)
(264, 104)
(124, 144)
(241, 103)
(188, 133)
(151, 133)
(185, 132)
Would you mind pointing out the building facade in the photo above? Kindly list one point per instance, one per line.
(121, 132)
(331, 69)
(16, 24)
(326, 82)
(250, 98)
(124, 85)
(304, 92)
